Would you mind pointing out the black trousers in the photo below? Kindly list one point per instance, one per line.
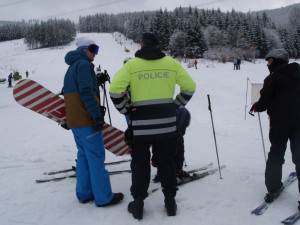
(165, 151)
(179, 158)
(279, 135)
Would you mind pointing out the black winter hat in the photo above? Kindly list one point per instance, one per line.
(151, 38)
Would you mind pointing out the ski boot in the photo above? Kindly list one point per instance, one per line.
(136, 208)
(182, 174)
(270, 196)
(170, 205)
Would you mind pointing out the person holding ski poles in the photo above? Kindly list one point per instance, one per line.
(280, 96)
(86, 121)
(152, 77)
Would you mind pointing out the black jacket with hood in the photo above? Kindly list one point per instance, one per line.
(280, 94)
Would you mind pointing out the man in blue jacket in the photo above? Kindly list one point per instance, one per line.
(86, 120)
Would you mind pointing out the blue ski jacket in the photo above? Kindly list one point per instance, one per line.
(80, 90)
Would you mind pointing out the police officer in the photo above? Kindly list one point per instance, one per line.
(280, 96)
(152, 77)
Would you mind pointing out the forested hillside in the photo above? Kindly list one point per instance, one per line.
(183, 32)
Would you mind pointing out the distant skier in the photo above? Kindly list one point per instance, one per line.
(27, 73)
(280, 96)
(195, 63)
(10, 77)
(234, 63)
(238, 64)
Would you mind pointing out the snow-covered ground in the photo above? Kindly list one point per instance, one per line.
(32, 144)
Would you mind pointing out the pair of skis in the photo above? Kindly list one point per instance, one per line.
(74, 169)
(194, 176)
(264, 206)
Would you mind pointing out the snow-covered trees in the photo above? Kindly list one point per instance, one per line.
(296, 42)
(178, 44)
(194, 31)
(50, 33)
(184, 31)
(12, 31)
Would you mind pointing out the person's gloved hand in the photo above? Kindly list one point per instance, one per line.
(154, 163)
(102, 78)
(252, 110)
(98, 124)
(129, 111)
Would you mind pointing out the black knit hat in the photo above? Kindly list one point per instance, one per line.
(150, 37)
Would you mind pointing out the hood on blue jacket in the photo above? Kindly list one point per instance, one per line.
(74, 56)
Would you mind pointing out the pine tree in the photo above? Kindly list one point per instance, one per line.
(296, 42)
(196, 44)
(160, 27)
(285, 39)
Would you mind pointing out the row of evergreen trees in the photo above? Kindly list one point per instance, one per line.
(291, 41)
(49, 33)
(187, 32)
(12, 31)
(192, 32)
(39, 34)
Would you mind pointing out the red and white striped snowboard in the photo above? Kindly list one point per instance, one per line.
(37, 98)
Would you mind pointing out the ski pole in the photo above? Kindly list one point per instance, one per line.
(248, 80)
(262, 137)
(212, 122)
(105, 95)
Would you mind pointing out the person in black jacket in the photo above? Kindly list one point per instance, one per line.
(183, 118)
(280, 96)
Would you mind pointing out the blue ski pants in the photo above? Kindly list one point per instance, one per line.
(92, 178)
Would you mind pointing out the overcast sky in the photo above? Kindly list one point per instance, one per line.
(17, 10)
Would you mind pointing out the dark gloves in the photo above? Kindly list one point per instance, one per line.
(252, 110)
(128, 136)
(98, 124)
(129, 111)
(102, 78)
(65, 126)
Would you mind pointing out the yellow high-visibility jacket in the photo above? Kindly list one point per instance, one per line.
(152, 85)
